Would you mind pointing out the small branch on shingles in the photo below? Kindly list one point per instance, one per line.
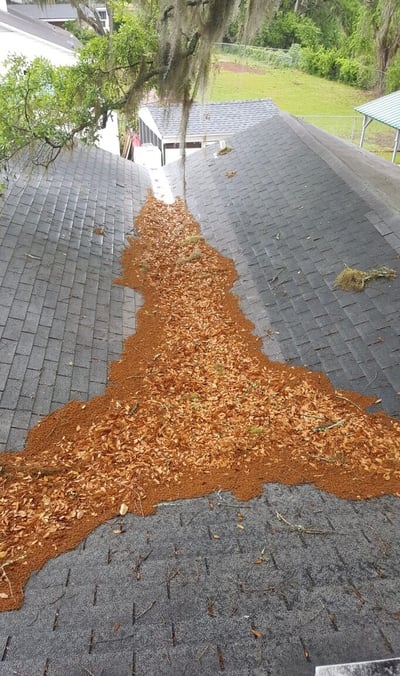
(331, 616)
(262, 590)
(359, 596)
(138, 564)
(172, 574)
(145, 611)
(113, 640)
(298, 528)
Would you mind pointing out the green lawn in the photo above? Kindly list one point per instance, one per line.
(326, 104)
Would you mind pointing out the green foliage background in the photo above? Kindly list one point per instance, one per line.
(166, 45)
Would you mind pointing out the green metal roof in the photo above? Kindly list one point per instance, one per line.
(386, 109)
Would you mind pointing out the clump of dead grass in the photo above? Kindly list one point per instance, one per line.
(194, 239)
(352, 279)
(195, 255)
(224, 151)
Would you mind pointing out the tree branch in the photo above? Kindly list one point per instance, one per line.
(189, 3)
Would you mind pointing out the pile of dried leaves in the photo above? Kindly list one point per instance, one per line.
(192, 406)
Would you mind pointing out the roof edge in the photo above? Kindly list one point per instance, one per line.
(358, 167)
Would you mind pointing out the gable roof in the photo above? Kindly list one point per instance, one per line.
(38, 29)
(59, 12)
(219, 118)
(64, 270)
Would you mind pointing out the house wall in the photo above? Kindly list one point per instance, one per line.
(13, 42)
(172, 151)
(109, 137)
(148, 135)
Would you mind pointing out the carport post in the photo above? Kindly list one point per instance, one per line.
(396, 145)
(366, 121)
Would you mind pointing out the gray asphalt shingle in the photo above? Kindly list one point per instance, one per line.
(291, 222)
(289, 218)
(60, 310)
(226, 117)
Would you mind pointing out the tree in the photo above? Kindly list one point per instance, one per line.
(166, 46)
(48, 107)
(288, 28)
(311, 23)
(379, 27)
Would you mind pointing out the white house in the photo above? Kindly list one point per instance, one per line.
(32, 38)
(21, 35)
(61, 12)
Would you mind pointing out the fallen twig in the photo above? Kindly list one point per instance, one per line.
(139, 561)
(326, 458)
(298, 528)
(341, 396)
(4, 575)
(329, 426)
(145, 611)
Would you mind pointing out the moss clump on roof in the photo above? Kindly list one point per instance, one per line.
(352, 279)
(224, 151)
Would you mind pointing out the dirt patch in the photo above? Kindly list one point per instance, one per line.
(193, 406)
(239, 68)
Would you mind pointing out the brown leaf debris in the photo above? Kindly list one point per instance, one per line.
(192, 406)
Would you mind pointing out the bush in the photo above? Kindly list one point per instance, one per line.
(330, 64)
(348, 70)
(275, 58)
(309, 61)
(307, 33)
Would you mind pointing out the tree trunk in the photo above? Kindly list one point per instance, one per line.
(387, 40)
(382, 68)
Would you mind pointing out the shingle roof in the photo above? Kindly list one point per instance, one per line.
(201, 604)
(90, 188)
(385, 109)
(41, 30)
(212, 118)
(292, 218)
(61, 11)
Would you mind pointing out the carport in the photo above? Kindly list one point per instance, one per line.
(385, 109)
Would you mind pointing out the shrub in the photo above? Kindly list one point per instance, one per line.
(348, 71)
(332, 65)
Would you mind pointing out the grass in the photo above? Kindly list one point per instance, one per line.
(323, 103)
(292, 90)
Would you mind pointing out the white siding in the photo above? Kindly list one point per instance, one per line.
(13, 42)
